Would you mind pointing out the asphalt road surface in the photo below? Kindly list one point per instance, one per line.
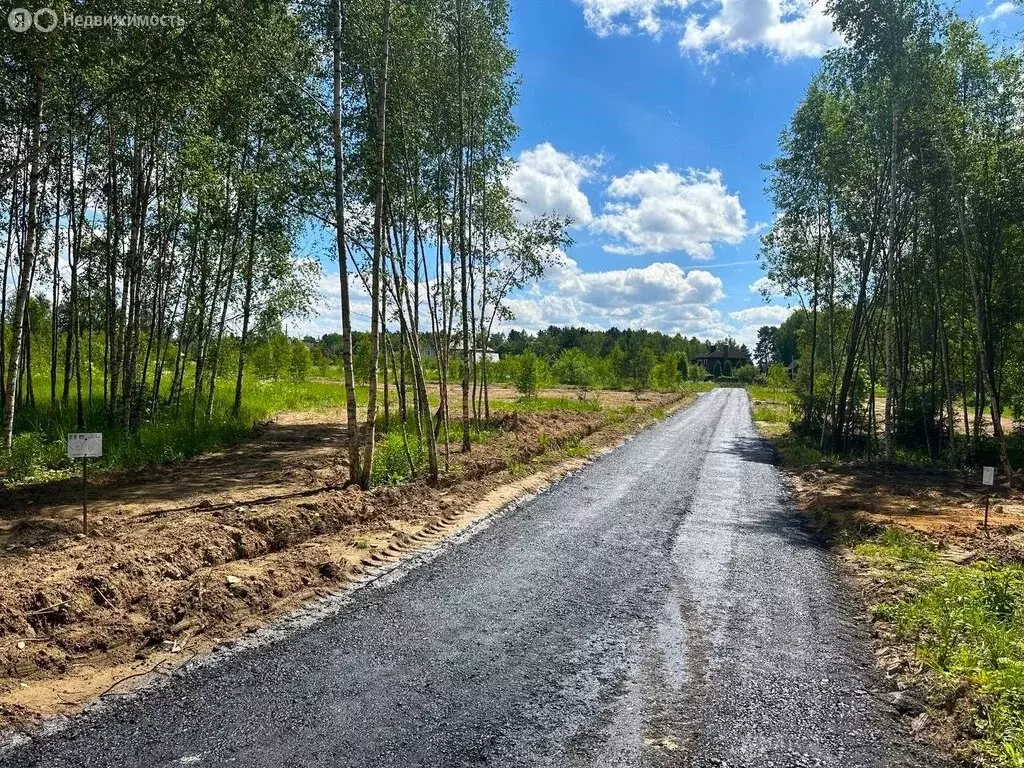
(662, 607)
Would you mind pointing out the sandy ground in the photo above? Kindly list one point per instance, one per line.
(948, 507)
(189, 556)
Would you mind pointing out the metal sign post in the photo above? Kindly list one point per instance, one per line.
(988, 479)
(85, 446)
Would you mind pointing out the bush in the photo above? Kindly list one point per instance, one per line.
(777, 377)
(391, 462)
(575, 368)
(300, 361)
(666, 373)
(528, 374)
(636, 366)
(746, 374)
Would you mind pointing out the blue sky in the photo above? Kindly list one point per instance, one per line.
(647, 122)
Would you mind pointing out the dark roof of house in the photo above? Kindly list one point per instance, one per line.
(724, 353)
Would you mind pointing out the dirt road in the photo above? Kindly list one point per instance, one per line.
(661, 607)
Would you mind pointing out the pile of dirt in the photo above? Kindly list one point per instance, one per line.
(207, 550)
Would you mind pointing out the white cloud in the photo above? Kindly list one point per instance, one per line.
(786, 28)
(326, 317)
(661, 296)
(547, 181)
(752, 319)
(766, 315)
(659, 211)
(1000, 10)
(620, 17)
(767, 287)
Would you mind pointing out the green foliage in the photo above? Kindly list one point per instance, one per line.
(635, 365)
(529, 374)
(917, 119)
(299, 362)
(967, 623)
(391, 460)
(777, 377)
(747, 374)
(575, 368)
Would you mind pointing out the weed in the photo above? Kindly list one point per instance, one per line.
(575, 447)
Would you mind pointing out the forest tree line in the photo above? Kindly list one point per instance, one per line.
(626, 359)
(899, 232)
(158, 187)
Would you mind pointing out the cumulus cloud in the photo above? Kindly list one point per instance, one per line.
(546, 181)
(767, 287)
(766, 315)
(660, 296)
(785, 28)
(611, 17)
(660, 210)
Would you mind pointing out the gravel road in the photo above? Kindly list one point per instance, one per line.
(662, 607)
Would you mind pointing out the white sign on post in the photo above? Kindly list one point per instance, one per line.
(988, 476)
(85, 445)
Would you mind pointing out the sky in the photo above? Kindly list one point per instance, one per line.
(648, 122)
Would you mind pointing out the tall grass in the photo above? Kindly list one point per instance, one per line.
(170, 434)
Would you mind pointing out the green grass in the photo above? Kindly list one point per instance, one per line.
(696, 387)
(967, 624)
(762, 394)
(38, 450)
(771, 413)
(796, 453)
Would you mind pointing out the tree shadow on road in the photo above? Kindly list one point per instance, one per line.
(755, 449)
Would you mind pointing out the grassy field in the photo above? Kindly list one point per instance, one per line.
(774, 411)
(38, 452)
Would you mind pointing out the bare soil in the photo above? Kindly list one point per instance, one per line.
(947, 507)
(186, 557)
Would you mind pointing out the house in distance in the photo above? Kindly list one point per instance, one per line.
(723, 359)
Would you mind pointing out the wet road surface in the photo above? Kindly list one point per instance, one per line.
(662, 607)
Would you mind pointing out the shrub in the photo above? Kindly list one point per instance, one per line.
(777, 376)
(299, 362)
(575, 368)
(528, 374)
(746, 374)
